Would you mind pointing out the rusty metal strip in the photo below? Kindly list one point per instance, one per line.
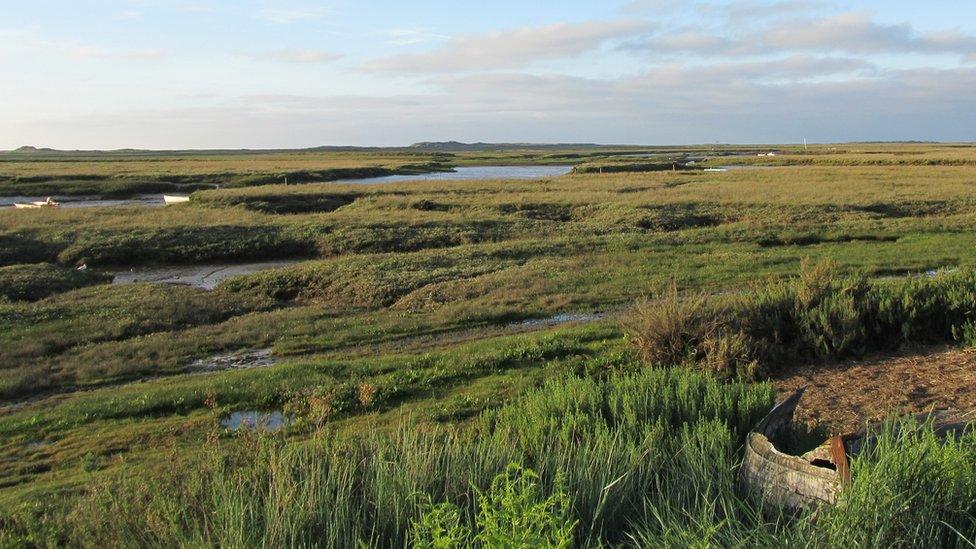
(838, 454)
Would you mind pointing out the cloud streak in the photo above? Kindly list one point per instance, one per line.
(849, 33)
(512, 48)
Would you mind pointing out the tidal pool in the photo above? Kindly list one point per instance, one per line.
(151, 200)
(200, 276)
(555, 320)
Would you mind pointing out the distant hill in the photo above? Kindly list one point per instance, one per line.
(457, 146)
(30, 149)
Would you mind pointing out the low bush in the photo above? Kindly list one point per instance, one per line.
(818, 315)
(671, 329)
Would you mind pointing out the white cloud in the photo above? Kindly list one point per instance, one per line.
(511, 48)
(856, 32)
(729, 102)
(744, 11)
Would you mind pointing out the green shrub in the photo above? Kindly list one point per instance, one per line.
(440, 527)
(965, 334)
(515, 512)
(817, 315)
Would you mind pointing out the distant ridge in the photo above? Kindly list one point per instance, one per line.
(455, 146)
(423, 147)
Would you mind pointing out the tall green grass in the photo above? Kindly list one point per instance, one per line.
(645, 459)
(607, 444)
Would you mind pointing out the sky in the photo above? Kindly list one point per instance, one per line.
(178, 74)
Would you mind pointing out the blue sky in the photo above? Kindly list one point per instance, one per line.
(295, 73)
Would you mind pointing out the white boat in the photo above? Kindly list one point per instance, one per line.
(49, 203)
(175, 199)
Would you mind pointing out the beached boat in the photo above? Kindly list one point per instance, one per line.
(784, 482)
(48, 203)
(175, 199)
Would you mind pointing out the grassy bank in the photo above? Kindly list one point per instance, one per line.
(644, 459)
(120, 174)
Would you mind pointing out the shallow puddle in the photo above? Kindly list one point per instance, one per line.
(256, 420)
(241, 360)
(200, 276)
(36, 445)
(555, 320)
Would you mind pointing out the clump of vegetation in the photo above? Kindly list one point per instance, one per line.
(513, 512)
(817, 315)
(36, 281)
(101, 314)
(278, 202)
(672, 329)
(186, 245)
(622, 166)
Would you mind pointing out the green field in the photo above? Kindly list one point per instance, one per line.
(420, 347)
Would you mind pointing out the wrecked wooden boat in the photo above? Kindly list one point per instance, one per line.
(789, 483)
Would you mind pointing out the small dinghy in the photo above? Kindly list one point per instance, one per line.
(175, 199)
(784, 482)
(48, 203)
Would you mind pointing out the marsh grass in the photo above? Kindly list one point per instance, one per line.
(31, 282)
(407, 275)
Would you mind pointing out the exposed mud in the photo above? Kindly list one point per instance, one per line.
(846, 395)
(201, 276)
(240, 360)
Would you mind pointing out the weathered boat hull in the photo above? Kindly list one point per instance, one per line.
(173, 199)
(778, 480)
(783, 482)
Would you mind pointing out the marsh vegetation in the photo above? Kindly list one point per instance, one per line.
(430, 399)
